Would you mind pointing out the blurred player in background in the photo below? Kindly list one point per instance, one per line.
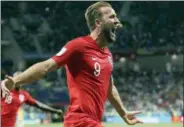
(12, 103)
(20, 117)
(89, 66)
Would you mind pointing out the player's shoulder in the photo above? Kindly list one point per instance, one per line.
(81, 40)
(78, 43)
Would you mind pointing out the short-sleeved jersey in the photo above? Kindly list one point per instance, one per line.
(88, 69)
(11, 104)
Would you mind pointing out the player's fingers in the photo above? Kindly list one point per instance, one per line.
(4, 94)
(3, 87)
(136, 121)
(5, 91)
(135, 112)
(9, 77)
(132, 121)
(132, 117)
(127, 121)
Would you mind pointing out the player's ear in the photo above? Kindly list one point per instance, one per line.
(97, 22)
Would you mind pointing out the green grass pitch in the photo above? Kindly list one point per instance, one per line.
(116, 125)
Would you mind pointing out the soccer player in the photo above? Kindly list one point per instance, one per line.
(12, 103)
(89, 66)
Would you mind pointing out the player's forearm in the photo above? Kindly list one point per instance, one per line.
(46, 108)
(33, 73)
(115, 100)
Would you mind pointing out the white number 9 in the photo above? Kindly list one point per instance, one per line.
(97, 69)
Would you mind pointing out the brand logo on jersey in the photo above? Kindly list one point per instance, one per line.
(94, 58)
(21, 97)
(61, 52)
(110, 60)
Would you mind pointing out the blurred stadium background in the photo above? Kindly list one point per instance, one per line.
(148, 56)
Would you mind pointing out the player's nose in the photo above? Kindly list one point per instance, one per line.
(117, 23)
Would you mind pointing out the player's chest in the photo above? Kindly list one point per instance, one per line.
(15, 99)
(97, 63)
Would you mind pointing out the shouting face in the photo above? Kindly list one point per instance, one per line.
(109, 23)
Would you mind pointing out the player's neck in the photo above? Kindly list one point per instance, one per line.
(99, 38)
(17, 89)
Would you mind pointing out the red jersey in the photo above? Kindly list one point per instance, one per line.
(11, 104)
(88, 69)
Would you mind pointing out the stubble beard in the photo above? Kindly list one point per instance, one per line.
(109, 35)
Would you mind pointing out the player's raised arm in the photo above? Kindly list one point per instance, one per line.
(115, 100)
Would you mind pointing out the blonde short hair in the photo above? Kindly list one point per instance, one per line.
(93, 13)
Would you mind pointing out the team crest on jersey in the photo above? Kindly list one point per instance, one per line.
(110, 60)
(21, 97)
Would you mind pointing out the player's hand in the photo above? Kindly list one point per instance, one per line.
(130, 118)
(6, 85)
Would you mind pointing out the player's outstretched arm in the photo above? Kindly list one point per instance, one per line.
(45, 107)
(35, 72)
(115, 100)
(39, 70)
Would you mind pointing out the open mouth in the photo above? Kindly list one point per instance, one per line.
(114, 30)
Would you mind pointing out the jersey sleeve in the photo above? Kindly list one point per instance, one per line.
(71, 49)
(29, 99)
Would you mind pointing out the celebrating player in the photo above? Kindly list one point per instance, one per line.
(14, 100)
(89, 66)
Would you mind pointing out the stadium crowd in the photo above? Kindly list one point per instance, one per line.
(44, 26)
(150, 90)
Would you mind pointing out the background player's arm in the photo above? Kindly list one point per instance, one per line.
(115, 99)
(31, 101)
(45, 107)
